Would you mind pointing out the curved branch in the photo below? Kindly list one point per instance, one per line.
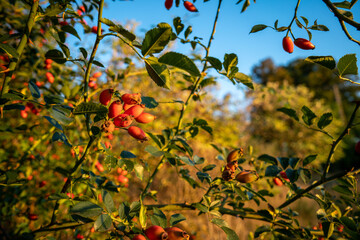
(342, 24)
(341, 16)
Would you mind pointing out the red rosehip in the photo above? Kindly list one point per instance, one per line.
(123, 120)
(79, 236)
(127, 106)
(190, 6)
(139, 237)
(122, 179)
(156, 233)
(284, 176)
(288, 44)
(247, 176)
(168, 4)
(23, 114)
(63, 23)
(105, 96)
(50, 77)
(175, 233)
(33, 216)
(277, 181)
(131, 98)
(94, 29)
(42, 184)
(304, 44)
(115, 109)
(135, 111)
(48, 61)
(145, 118)
(99, 166)
(97, 74)
(137, 133)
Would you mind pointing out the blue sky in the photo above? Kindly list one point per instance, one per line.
(232, 35)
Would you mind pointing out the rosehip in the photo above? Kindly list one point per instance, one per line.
(115, 109)
(340, 228)
(175, 233)
(48, 61)
(50, 77)
(23, 114)
(42, 184)
(48, 66)
(247, 176)
(97, 74)
(288, 44)
(145, 118)
(168, 4)
(63, 23)
(284, 176)
(122, 179)
(235, 155)
(138, 237)
(190, 6)
(108, 127)
(227, 174)
(135, 111)
(70, 195)
(137, 133)
(124, 172)
(94, 29)
(99, 166)
(232, 166)
(79, 236)
(123, 120)
(92, 84)
(357, 147)
(131, 98)
(277, 181)
(32, 216)
(105, 96)
(304, 44)
(156, 233)
(127, 106)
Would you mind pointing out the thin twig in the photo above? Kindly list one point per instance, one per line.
(341, 16)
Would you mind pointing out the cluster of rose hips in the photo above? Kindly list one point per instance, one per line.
(245, 176)
(29, 108)
(277, 181)
(188, 5)
(123, 112)
(93, 79)
(158, 233)
(301, 43)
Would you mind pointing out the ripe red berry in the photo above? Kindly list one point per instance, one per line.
(137, 133)
(131, 98)
(145, 118)
(304, 44)
(168, 4)
(288, 44)
(247, 176)
(115, 109)
(175, 233)
(277, 181)
(50, 77)
(32, 216)
(48, 61)
(94, 29)
(105, 96)
(190, 6)
(42, 184)
(156, 233)
(127, 106)
(123, 120)
(122, 179)
(357, 147)
(138, 237)
(99, 166)
(79, 236)
(63, 23)
(135, 110)
(97, 74)
(284, 176)
(23, 114)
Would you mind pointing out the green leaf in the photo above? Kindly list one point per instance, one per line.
(201, 207)
(325, 61)
(126, 154)
(244, 79)
(306, 21)
(156, 39)
(284, 162)
(71, 30)
(258, 28)
(187, 32)
(124, 210)
(325, 120)
(268, 159)
(214, 62)
(90, 108)
(139, 171)
(54, 122)
(99, 64)
(342, 189)
(176, 218)
(328, 229)
(149, 102)
(34, 90)
(347, 65)
(294, 162)
(103, 223)
(86, 209)
(230, 234)
(230, 60)
(180, 61)
(54, 9)
(343, 4)
(154, 151)
(290, 112)
(309, 159)
(158, 218)
(108, 201)
(178, 25)
(122, 31)
(55, 55)
(308, 115)
(142, 216)
(158, 72)
(293, 175)
(9, 50)
(260, 230)
(272, 171)
(61, 114)
(349, 223)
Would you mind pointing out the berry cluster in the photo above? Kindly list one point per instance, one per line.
(123, 112)
(158, 233)
(187, 4)
(244, 176)
(301, 43)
